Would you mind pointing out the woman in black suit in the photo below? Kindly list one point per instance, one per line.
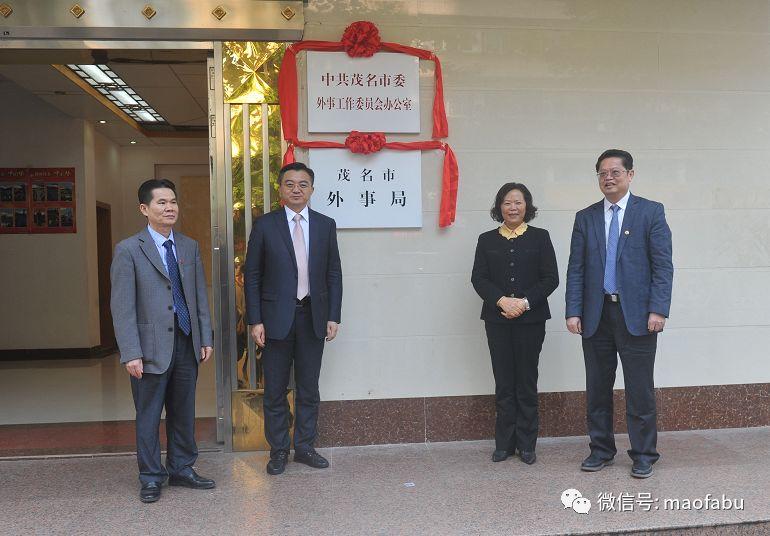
(514, 273)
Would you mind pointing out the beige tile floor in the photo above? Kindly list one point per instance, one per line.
(437, 488)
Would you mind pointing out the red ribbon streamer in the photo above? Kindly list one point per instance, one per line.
(288, 92)
(288, 98)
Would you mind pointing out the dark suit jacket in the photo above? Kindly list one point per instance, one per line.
(142, 303)
(522, 267)
(644, 272)
(271, 274)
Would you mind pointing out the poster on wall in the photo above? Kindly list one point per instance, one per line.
(345, 93)
(37, 200)
(360, 191)
(14, 201)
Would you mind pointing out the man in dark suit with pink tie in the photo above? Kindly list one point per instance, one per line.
(293, 287)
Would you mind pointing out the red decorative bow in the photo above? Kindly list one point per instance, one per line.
(361, 39)
(364, 142)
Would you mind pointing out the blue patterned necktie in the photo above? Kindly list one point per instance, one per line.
(610, 284)
(180, 305)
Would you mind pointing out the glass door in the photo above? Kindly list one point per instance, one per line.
(246, 152)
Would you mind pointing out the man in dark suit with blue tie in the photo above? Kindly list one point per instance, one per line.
(160, 311)
(293, 288)
(618, 296)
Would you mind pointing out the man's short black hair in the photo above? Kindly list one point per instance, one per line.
(145, 190)
(529, 213)
(296, 166)
(625, 156)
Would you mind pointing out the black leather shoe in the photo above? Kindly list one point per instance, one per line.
(528, 456)
(500, 455)
(641, 470)
(312, 458)
(150, 492)
(277, 463)
(193, 480)
(594, 463)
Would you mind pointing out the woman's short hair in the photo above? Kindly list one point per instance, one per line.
(531, 210)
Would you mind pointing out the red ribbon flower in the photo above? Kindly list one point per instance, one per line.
(361, 39)
(364, 142)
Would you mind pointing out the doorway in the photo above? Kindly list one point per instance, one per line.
(237, 181)
(104, 260)
(63, 387)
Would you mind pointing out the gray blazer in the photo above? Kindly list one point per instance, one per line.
(142, 304)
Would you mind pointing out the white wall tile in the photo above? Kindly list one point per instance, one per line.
(708, 61)
(711, 120)
(720, 298)
(713, 356)
(600, 15)
(396, 367)
(720, 238)
(501, 120)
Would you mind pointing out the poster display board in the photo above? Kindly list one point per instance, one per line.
(37, 200)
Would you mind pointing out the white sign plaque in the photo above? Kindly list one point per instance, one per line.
(381, 189)
(376, 94)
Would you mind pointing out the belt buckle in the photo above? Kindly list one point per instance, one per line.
(614, 298)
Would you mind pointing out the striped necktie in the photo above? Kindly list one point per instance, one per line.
(610, 282)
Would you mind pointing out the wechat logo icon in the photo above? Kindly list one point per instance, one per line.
(572, 498)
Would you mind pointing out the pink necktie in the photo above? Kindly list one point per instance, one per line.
(298, 237)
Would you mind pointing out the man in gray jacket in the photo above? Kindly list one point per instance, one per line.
(162, 324)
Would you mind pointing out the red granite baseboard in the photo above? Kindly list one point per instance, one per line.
(87, 437)
(418, 420)
(458, 418)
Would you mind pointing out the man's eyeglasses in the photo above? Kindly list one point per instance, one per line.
(614, 173)
(302, 185)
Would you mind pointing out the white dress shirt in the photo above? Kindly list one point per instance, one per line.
(608, 215)
(305, 213)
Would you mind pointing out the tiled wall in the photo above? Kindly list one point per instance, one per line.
(535, 90)
(42, 307)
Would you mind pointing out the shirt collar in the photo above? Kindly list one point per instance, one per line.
(622, 203)
(158, 238)
(305, 213)
(517, 232)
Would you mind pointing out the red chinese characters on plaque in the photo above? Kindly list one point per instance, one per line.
(37, 200)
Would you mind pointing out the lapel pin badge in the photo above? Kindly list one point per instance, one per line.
(627, 232)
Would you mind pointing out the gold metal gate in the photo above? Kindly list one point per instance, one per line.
(252, 159)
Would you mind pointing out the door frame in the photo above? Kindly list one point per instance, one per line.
(167, 20)
(57, 31)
